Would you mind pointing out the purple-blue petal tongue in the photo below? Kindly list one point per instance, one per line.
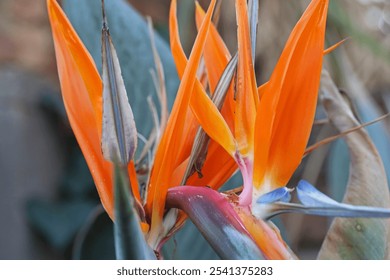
(279, 195)
(308, 195)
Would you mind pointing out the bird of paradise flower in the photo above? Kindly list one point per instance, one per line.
(263, 131)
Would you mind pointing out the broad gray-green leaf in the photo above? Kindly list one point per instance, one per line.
(130, 243)
(119, 133)
(95, 239)
(58, 222)
(356, 238)
(129, 31)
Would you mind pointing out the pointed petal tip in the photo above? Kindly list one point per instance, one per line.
(81, 89)
(308, 195)
(288, 102)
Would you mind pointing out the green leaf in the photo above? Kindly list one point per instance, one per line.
(357, 238)
(95, 240)
(58, 222)
(129, 31)
(130, 243)
(216, 220)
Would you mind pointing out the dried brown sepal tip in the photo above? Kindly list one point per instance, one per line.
(119, 133)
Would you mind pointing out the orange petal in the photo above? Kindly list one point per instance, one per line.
(205, 111)
(286, 110)
(261, 89)
(247, 96)
(217, 56)
(180, 59)
(81, 88)
(166, 160)
(212, 121)
(218, 167)
(174, 39)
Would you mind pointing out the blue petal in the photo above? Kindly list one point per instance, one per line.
(279, 195)
(315, 202)
(308, 195)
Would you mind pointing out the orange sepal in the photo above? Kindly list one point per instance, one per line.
(286, 110)
(166, 159)
(202, 107)
(261, 89)
(81, 88)
(247, 96)
(216, 54)
(218, 167)
(212, 121)
(145, 227)
(216, 57)
(180, 60)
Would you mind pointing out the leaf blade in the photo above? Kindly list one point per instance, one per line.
(130, 243)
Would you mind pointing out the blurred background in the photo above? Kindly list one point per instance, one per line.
(49, 208)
